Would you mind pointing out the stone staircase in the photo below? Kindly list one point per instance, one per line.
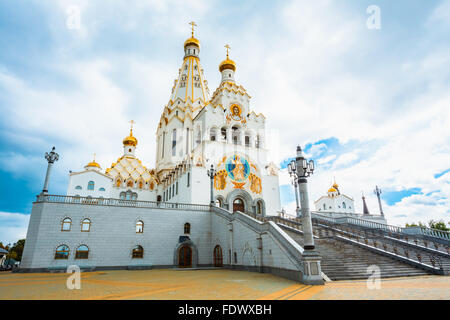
(345, 261)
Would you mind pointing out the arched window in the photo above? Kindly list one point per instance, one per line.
(78, 188)
(247, 141)
(66, 224)
(219, 202)
(258, 141)
(82, 252)
(86, 225)
(138, 252)
(344, 205)
(187, 228)
(259, 207)
(199, 137)
(235, 134)
(101, 189)
(122, 195)
(140, 227)
(62, 252)
(91, 185)
(223, 133)
(324, 206)
(174, 142)
(212, 135)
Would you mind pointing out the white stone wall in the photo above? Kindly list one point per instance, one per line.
(113, 235)
(334, 204)
(82, 179)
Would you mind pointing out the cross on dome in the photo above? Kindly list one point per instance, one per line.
(193, 24)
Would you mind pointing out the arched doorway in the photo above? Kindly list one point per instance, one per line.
(218, 258)
(185, 257)
(238, 205)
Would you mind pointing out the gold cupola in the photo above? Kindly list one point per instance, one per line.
(192, 40)
(130, 140)
(92, 164)
(227, 63)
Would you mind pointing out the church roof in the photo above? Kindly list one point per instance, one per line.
(130, 167)
(190, 85)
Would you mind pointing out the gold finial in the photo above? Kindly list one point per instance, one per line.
(192, 23)
(131, 123)
(94, 156)
(228, 48)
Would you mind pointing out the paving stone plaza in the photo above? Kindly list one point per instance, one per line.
(211, 285)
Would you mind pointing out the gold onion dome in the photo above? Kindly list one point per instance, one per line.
(93, 164)
(336, 186)
(192, 41)
(227, 64)
(332, 189)
(130, 140)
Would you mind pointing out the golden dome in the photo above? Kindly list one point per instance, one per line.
(93, 164)
(332, 190)
(227, 64)
(130, 140)
(191, 41)
(336, 186)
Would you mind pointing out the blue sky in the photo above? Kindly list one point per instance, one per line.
(371, 107)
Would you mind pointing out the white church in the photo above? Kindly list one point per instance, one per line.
(195, 131)
(128, 216)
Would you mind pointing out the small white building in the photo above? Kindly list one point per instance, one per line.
(334, 201)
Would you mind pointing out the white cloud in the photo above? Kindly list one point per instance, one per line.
(13, 226)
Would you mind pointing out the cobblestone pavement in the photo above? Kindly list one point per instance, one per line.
(209, 284)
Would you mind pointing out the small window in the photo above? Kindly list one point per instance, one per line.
(78, 188)
(91, 185)
(324, 206)
(344, 205)
(82, 252)
(66, 224)
(176, 188)
(138, 252)
(235, 257)
(187, 228)
(101, 189)
(139, 227)
(62, 252)
(188, 179)
(86, 225)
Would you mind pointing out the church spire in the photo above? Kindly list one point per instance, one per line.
(191, 85)
(365, 209)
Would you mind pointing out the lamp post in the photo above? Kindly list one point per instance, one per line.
(51, 158)
(303, 170)
(211, 173)
(312, 273)
(377, 192)
(293, 173)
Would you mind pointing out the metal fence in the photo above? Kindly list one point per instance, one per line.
(121, 203)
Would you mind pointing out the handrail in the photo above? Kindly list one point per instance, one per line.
(381, 226)
(120, 202)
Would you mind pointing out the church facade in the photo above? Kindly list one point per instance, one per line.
(133, 217)
(195, 131)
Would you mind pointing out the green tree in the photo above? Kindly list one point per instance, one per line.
(439, 225)
(17, 250)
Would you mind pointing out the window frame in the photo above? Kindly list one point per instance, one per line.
(63, 257)
(80, 254)
(64, 222)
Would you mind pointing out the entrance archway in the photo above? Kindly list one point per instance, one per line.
(185, 257)
(238, 205)
(218, 258)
